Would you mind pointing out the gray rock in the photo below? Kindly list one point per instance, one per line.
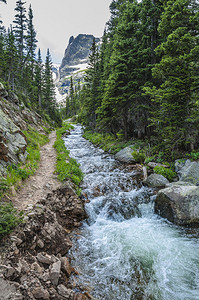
(179, 204)
(188, 171)
(45, 259)
(36, 267)
(156, 181)
(40, 243)
(55, 273)
(154, 164)
(16, 240)
(40, 293)
(63, 291)
(12, 141)
(66, 266)
(6, 290)
(10, 271)
(125, 155)
(177, 183)
(3, 92)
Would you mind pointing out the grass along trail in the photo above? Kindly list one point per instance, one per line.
(38, 186)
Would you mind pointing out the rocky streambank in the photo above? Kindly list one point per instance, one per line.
(176, 201)
(36, 263)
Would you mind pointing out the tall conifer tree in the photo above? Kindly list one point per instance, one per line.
(20, 27)
(177, 70)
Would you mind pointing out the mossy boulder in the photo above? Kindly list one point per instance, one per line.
(156, 181)
(188, 171)
(125, 155)
(179, 204)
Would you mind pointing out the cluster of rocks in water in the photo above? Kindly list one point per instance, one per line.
(37, 265)
(176, 201)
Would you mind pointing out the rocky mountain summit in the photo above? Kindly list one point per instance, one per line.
(75, 60)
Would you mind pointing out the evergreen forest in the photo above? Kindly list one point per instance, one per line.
(22, 71)
(142, 81)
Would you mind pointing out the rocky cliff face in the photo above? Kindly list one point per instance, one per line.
(14, 118)
(75, 60)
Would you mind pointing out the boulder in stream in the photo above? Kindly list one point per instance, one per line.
(156, 181)
(179, 204)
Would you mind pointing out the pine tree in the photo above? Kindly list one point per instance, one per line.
(178, 72)
(11, 59)
(20, 27)
(92, 81)
(49, 88)
(71, 97)
(31, 41)
(39, 79)
(122, 80)
(2, 53)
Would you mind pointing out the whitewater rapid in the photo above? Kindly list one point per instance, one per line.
(124, 250)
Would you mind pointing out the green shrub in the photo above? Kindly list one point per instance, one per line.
(66, 167)
(4, 185)
(166, 172)
(149, 159)
(194, 155)
(9, 218)
(34, 138)
(138, 156)
(16, 173)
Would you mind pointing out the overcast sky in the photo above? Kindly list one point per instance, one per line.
(56, 20)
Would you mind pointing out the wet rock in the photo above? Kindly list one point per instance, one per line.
(125, 155)
(188, 171)
(66, 266)
(179, 204)
(156, 181)
(63, 291)
(55, 272)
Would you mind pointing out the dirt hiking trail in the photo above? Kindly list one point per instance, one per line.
(42, 182)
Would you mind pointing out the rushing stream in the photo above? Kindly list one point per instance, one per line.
(125, 251)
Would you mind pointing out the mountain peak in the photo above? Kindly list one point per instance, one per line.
(76, 52)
